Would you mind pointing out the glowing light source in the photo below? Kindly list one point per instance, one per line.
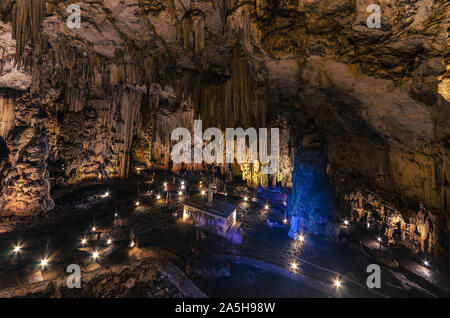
(137, 203)
(84, 241)
(158, 197)
(106, 194)
(44, 262)
(379, 239)
(132, 244)
(368, 224)
(284, 221)
(266, 207)
(17, 249)
(301, 238)
(116, 214)
(203, 192)
(426, 263)
(294, 266)
(109, 242)
(337, 283)
(180, 193)
(346, 222)
(95, 255)
(182, 183)
(165, 184)
(94, 229)
(182, 187)
(245, 198)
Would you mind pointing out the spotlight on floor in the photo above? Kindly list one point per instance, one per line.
(17, 249)
(95, 255)
(337, 283)
(44, 263)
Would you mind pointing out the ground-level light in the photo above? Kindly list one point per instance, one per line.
(245, 198)
(116, 214)
(426, 263)
(137, 203)
(106, 194)
(301, 238)
(94, 229)
(266, 206)
(95, 255)
(84, 241)
(285, 221)
(132, 244)
(109, 242)
(203, 192)
(346, 222)
(379, 239)
(17, 249)
(337, 283)
(158, 197)
(294, 266)
(180, 193)
(44, 262)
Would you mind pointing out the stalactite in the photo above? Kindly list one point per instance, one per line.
(26, 19)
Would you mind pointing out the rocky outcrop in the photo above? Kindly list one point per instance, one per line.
(26, 187)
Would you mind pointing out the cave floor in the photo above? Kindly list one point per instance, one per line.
(158, 225)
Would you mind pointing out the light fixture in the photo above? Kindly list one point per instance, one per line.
(116, 214)
(95, 255)
(301, 238)
(94, 229)
(426, 263)
(266, 206)
(132, 244)
(180, 193)
(17, 249)
(346, 222)
(245, 198)
(182, 187)
(84, 241)
(165, 184)
(203, 192)
(106, 194)
(226, 193)
(294, 266)
(158, 197)
(379, 239)
(368, 224)
(137, 203)
(337, 283)
(109, 241)
(44, 262)
(285, 221)
(182, 183)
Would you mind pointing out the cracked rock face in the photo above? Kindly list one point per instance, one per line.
(373, 102)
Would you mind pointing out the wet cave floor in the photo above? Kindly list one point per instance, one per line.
(260, 266)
